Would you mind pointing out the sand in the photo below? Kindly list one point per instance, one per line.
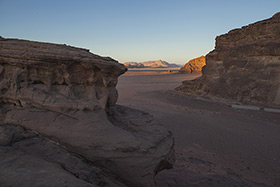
(210, 137)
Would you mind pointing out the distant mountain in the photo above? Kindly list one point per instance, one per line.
(133, 65)
(150, 64)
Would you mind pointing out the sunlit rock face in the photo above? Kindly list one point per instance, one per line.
(245, 65)
(69, 95)
(193, 66)
(56, 77)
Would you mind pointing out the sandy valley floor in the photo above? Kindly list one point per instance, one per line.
(210, 138)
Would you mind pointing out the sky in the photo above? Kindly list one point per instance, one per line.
(132, 30)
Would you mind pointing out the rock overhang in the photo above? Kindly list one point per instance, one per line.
(69, 95)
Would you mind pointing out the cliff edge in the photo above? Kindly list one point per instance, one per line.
(244, 66)
(60, 101)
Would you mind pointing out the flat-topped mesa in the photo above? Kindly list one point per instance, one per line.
(194, 65)
(56, 77)
(245, 65)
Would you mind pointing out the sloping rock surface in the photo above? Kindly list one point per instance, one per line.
(193, 66)
(28, 159)
(180, 177)
(245, 65)
(68, 95)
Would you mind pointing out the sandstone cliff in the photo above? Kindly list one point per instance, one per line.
(193, 66)
(67, 95)
(245, 65)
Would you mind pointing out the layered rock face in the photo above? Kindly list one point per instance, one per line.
(68, 95)
(193, 66)
(245, 65)
(49, 76)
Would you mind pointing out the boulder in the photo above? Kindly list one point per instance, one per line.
(193, 66)
(244, 66)
(68, 95)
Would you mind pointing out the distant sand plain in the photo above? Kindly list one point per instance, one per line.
(210, 137)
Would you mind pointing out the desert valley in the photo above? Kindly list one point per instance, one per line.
(69, 117)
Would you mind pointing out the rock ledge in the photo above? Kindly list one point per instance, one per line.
(68, 96)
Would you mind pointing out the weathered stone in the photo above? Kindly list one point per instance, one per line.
(68, 95)
(49, 76)
(31, 160)
(193, 66)
(245, 65)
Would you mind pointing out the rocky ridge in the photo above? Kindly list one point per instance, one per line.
(150, 64)
(193, 66)
(244, 66)
(67, 96)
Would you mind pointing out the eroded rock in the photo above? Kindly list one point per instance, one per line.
(27, 159)
(68, 95)
(245, 65)
(193, 66)
(49, 76)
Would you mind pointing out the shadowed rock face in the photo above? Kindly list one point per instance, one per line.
(68, 95)
(27, 159)
(193, 66)
(245, 65)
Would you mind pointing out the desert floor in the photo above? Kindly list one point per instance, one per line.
(210, 138)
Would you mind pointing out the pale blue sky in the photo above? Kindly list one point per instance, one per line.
(130, 30)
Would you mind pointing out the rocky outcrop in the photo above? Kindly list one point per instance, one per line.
(245, 65)
(193, 66)
(33, 160)
(67, 95)
(49, 76)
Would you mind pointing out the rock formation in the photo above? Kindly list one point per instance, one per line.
(67, 95)
(150, 64)
(245, 65)
(193, 66)
(28, 159)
